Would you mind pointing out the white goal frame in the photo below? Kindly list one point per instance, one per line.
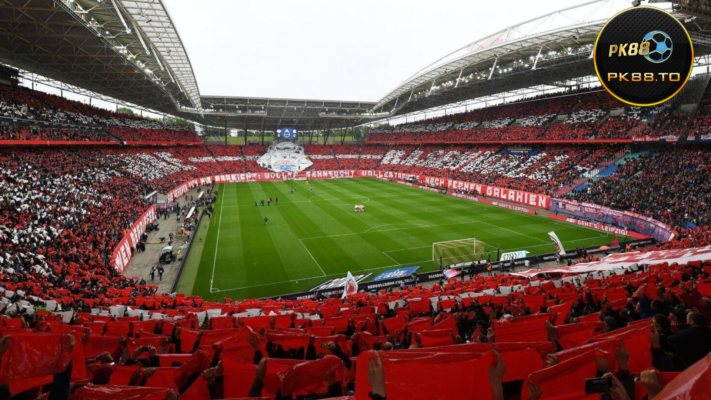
(473, 241)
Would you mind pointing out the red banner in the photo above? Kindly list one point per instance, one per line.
(123, 252)
(511, 195)
(599, 226)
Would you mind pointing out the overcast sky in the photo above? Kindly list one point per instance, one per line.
(332, 49)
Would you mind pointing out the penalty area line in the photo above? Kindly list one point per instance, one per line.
(312, 257)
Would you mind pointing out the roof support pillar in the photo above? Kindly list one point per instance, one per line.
(459, 78)
(432, 87)
(493, 67)
(535, 62)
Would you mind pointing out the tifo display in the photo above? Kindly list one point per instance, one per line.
(555, 246)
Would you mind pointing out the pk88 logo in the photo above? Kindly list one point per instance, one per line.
(633, 56)
(660, 45)
(634, 48)
(656, 47)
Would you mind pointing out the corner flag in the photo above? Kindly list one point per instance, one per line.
(557, 242)
(350, 287)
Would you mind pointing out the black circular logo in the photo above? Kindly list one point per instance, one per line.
(643, 56)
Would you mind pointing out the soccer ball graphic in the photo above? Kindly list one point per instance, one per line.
(660, 46)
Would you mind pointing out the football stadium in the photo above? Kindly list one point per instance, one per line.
(339, 200)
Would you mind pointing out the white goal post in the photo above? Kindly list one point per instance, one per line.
(458, 251)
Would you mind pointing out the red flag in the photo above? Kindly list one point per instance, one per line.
(321, 330)
(565, 380)
(238, 379)
(340, 323)
(223, 322)
(35, 355)
(412, 378)
(449, 323)
(394, 324)
(95, 345)
(573, 335)
(563, 310)
(534, 302)
(521, 359)
(308, 377)
(640, 392)
(637, 344)
(419, 325)
(419, 306)
(522, 332)
(436, 337)
(693, 383)
(288, 340)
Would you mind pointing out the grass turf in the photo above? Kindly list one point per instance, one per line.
(313, 238)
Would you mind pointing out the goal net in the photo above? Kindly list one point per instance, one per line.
(458, 251)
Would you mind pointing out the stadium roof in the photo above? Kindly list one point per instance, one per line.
(99, 46)
(551, 50)
(268, 113)
(130, 50)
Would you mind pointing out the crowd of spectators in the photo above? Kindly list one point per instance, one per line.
(539, 171)
(670, 185)
(572, 116)
(129, 134)
(322, 157)
(230, 157)
(54, 134)
(19, 102)
(63, 210)
(347, 156)
(645, 331)
(22, 103)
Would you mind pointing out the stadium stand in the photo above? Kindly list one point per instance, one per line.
(73, 325)
(517, 337)
(562, 116)
(347, 156)
(251, 155)
(154, 135)
(36, 133)
(322, 157)
(670, 185)
(230, 157)
(35, 106)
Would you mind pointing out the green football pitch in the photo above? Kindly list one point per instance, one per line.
(311, 238)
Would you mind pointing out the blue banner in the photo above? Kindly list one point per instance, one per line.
(395, 273)
(287, 133)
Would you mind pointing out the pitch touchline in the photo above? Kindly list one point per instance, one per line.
(313, 277)
(217, 240)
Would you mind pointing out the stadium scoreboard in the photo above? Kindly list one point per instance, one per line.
(287, 133)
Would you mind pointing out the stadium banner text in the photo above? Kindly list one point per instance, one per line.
(395, 273)
(124, 250)
(633, 222)
(511, 195)
(598, 226)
